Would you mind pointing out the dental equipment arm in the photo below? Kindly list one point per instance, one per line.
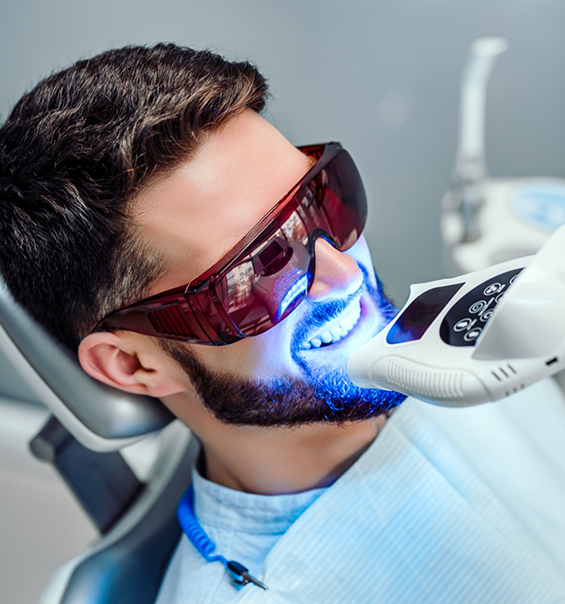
(475, 338)
(470, 165)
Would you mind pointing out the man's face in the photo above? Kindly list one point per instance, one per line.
(294, 372)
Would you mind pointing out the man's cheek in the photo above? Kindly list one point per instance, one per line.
(270, 353)
(361, 254)
(360, 251)
(265, 356)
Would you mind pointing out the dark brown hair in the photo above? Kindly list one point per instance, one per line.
(77, 149)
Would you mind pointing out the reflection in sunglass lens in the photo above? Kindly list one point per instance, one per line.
(274, 275)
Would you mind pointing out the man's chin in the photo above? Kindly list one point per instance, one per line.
(340, 400)
(290, 402)
(325, 395)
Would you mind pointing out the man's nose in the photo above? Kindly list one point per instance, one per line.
(336, 273)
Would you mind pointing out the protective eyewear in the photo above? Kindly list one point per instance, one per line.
(269, 272)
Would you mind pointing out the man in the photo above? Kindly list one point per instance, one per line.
(141, 225)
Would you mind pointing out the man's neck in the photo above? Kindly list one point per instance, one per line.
(273, 461)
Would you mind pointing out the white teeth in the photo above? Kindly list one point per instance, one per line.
(337, 331)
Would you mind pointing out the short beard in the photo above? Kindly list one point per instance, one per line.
(324, 395)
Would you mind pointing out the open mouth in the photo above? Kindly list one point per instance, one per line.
(336, 330)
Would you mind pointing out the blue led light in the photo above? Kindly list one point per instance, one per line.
(294, 292)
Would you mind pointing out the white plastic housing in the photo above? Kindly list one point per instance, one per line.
(522, 342)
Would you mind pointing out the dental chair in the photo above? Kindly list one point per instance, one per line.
(90, 424)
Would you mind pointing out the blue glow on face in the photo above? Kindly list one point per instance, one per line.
(330, 381)
(323, 393)
(297, 290)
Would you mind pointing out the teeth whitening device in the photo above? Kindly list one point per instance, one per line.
(475, 338)
(491, 332)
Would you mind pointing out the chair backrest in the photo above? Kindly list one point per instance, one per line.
(127, 564)
(100, 417)
(140, 528)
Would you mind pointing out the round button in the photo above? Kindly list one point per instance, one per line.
(477, 307)
(487, 315)
(473, 334)
(463, 324)
(493, 288)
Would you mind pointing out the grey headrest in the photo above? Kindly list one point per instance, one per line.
(100, 417)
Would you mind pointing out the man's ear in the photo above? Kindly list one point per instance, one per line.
(129, 362)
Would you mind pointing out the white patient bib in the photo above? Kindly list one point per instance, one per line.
(447, 506)
(415, 520)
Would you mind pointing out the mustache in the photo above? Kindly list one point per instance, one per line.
(323, 312)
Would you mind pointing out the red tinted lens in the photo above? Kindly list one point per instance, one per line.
(272, 276)
(339, 200)
(259, 292)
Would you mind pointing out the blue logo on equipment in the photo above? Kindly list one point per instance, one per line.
(540, 204)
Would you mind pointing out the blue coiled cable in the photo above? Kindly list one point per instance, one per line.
(203, 544)
(192, 529)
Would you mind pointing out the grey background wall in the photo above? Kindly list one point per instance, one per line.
(381, 76)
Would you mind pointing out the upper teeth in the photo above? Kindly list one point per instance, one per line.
(337, 330)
